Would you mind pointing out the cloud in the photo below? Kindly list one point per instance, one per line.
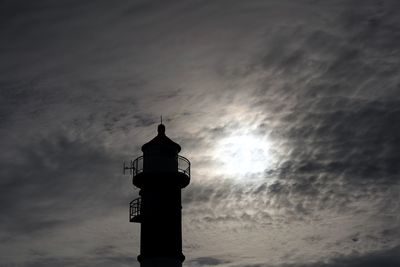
(81, 262)
(207, 261)
(387, 257)
(83, 85)
(55, 186)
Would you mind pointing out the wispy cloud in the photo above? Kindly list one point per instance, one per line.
(82, 86)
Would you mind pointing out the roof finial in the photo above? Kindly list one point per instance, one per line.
(161, 128)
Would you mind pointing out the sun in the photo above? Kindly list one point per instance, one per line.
(244, 154)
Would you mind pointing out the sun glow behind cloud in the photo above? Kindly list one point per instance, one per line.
(244, 154)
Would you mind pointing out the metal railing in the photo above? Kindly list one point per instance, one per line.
(183, 165)
(137, 165)
(134, 210)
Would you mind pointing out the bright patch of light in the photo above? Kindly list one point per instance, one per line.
(244, 154)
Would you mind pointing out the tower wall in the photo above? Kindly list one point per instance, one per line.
(161, 262)
(161, 221)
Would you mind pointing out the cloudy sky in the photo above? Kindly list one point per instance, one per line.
(288, 110)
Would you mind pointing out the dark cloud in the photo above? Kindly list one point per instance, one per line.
(207, 261)
(389, 258)
(81, 262)
(65, 178)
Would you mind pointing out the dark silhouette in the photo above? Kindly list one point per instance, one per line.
(160, 174)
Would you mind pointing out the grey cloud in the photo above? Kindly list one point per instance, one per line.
(363, 138)
(302, 64)
(207, 261)
(119, 260)
(339, 128)
(65, 178)
(388, 257)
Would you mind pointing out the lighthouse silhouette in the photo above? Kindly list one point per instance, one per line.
(160, 174)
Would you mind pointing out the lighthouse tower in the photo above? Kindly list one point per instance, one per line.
(160, 174)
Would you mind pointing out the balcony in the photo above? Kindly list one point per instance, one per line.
(137, 166)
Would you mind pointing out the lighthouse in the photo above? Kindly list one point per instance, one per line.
(160, 174)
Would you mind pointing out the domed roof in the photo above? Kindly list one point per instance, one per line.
(161, 141)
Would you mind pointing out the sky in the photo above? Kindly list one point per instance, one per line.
(289, 112)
